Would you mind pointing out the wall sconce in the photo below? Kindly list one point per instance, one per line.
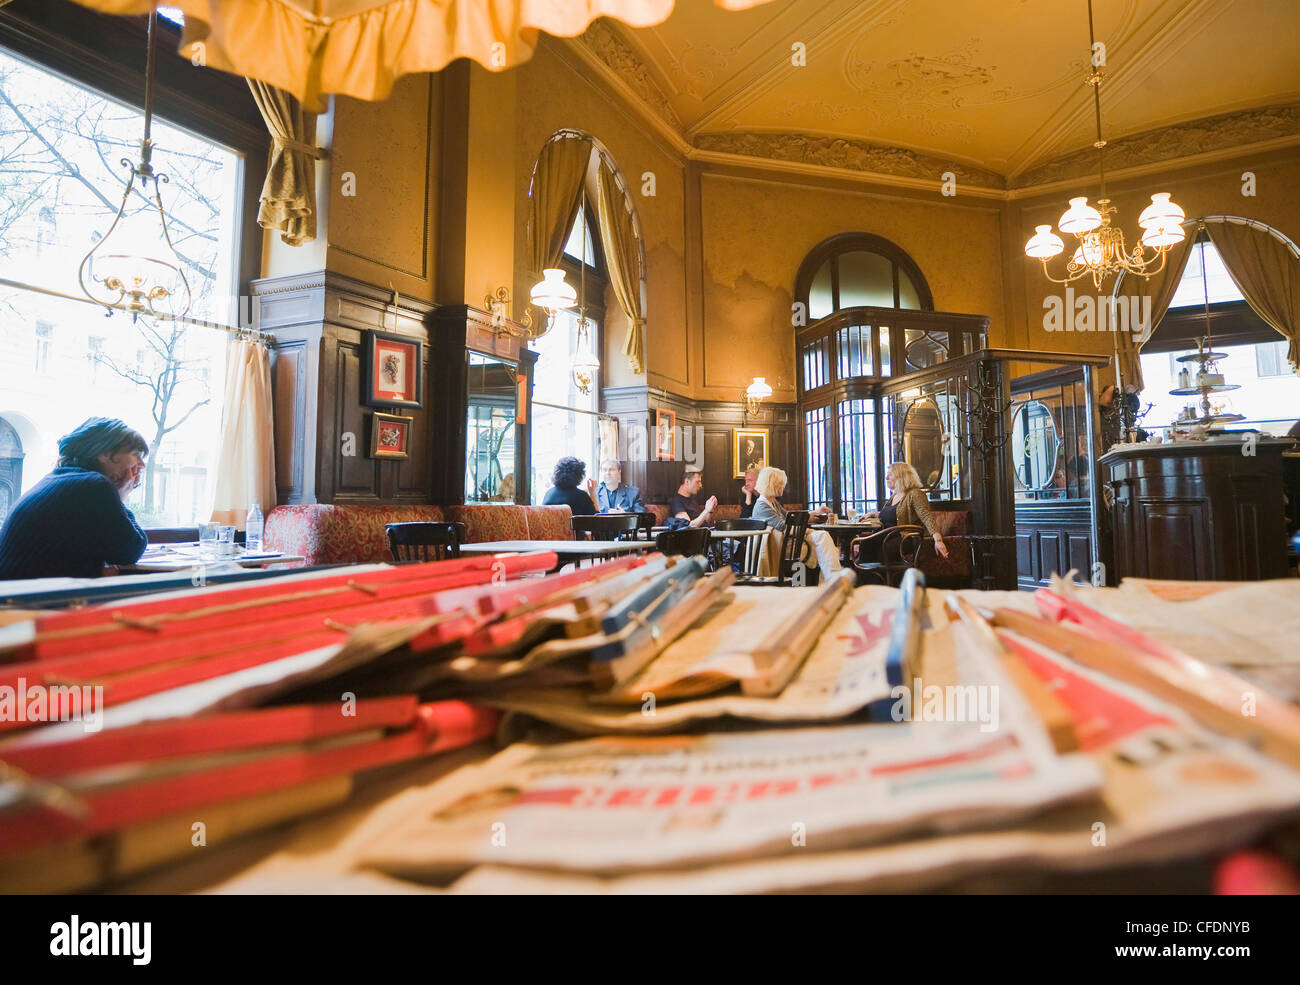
(756, 393)
(552, 294)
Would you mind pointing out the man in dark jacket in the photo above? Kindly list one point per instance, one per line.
(74, 521)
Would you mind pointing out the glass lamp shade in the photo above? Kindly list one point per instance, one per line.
(1161, 212)
(135, 266)
(552, 293)
(1044, 244)
(1079, 218)
(584, 366)
(1162, 236)
(759, 389)
(1088, 254)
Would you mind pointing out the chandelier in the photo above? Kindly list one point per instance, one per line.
(1101, 249)
(132, 267)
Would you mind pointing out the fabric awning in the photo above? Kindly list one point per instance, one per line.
(313, 48)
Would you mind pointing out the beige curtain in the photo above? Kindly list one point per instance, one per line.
(289, 192)
(1160, 289)
(359, 48)
(245, 469)
(1267, 275)
(623, 258)
(554, 198)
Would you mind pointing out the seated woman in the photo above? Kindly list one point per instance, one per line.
(770, 485)
(908, 505)
(73, 522)
(564, 489)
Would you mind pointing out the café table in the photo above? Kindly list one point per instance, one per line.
(567, 551)
(751, 538)
(843, 533)
(181, 557)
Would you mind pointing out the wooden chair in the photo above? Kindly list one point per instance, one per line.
(725, 550)
(897, 549)
(415, 542)
(793, 539)
(689, 541)
(606, 526)
(645, 525)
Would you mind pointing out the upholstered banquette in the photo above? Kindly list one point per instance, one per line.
(355, 534)
(725, 511)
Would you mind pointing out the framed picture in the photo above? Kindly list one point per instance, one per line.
(608, 438)
(390, 436)
(750, 446)
(393, 370)
(665, 434)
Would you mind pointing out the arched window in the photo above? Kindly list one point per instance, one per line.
(854, 270)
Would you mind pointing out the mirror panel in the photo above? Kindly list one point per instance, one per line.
(490, 439)
(1035, 446)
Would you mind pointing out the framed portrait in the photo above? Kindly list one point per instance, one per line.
(750, 449)
(393, 370)
(608, 438)
(390, 436)
(665, 434)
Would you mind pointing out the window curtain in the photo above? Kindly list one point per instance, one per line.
(1268, 276)
(289, 192)
(245, 467)
(623, 258)
(554, 198)
(1160, 288)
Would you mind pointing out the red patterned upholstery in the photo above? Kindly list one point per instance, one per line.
(548, 522)
(660, 510)
(343, 534)
(954, 525)
(487, 522)
(725, 511)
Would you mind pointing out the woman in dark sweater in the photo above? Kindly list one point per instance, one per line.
(73, 522)
(564, 489)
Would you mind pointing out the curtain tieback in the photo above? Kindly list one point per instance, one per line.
(297, 145)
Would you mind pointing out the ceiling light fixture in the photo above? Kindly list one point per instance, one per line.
(585, 365)
(756, 393)
(131, 267)
(1101, 251)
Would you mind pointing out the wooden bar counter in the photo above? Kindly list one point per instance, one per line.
(1198, 510)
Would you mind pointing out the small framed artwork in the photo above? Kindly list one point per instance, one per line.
(390, 436)
(393, 370)
(665, 434)
(607, 428)
(750, 449)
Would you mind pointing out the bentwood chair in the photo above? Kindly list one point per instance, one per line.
(740, 553)
(884, 556)
(645, 525)
(606, 526)
(791, 560)
(415, 542)
(688, 541)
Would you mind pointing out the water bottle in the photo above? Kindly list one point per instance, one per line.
(253, 531)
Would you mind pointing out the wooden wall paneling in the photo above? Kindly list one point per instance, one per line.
(289, 374)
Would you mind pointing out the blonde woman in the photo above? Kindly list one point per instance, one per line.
(907, 504)
(770, 485)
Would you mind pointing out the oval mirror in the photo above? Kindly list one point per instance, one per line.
(923, 444)
(1034, 445)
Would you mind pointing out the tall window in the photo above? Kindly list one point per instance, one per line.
(60, 143)
(565, 418)
(1255, 356)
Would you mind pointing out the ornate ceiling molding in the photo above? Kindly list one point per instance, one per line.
(846, 155)
(1228, 131)
(609, 48)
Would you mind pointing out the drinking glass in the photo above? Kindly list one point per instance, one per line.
(208, 539)
(226, 540)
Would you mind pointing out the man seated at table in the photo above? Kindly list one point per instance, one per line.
(685, 506)
(74, 522)
(613, 495)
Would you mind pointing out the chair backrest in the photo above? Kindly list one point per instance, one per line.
(605, 526)
(421, 541)
(690, 541)
(646, 523)
(901, 545)
(739, 523)
(796, 527)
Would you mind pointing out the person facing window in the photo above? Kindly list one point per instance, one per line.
(564, 489)
(74, 522)
(613, 495)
